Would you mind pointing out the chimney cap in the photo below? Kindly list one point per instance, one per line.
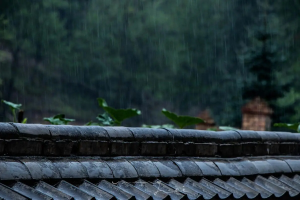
(205, 115)
(257, 106)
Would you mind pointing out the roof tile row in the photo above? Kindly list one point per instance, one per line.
(92, 168)
(259, 187)
(63, 140)
(16, 130)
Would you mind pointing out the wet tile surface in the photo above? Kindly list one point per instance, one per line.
(258, 187)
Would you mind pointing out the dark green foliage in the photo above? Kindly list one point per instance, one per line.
(118, 115)
(262, 61)
(59, 55)
(103, 120)
(13, 107)
(158, 126)
(265, 59)
(227, 128)
(58, 120)
(182, 121)
(295, 127)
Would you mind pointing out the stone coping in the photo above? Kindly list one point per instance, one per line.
(65, 140)
(39, 168)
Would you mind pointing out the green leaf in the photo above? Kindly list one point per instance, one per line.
(89, 123)
(295, 127)
(59, 116)
(118, 115)
(212, 129)
(182, 121)
(158, 126)
(12, 105)
(24, 121)
(53, 121)
(92, 124)
(102, 103)
(58, 120)
(105, 120)
(227, 128)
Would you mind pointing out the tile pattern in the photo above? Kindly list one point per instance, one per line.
(80, 162)
(39, 168)
(258, 187)
(65, 140)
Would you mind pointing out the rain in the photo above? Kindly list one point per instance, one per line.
(187, 56)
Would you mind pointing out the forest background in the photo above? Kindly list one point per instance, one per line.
(58, 56)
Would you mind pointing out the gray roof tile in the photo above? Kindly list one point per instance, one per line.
(121, 168)
(13, 170)
(256, 189)
(151, 190)
(167, 168)
(188, 167)
(114, 190)
(199, 188)
(42, 169)
(75, 162)
(51, 191)
(260, 188)
(145, 168)
(30, 192)
(208, 168)
(8, 131)
(32, 130)
(173, 193)
(74, 191)
(250, 192)
(8, 193)
(95, 191)
(92, 132)
(138, 194)
(66, 140)
(96, 168)
(70, 168)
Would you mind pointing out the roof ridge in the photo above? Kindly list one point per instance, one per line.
(67, 140)
(34, 168)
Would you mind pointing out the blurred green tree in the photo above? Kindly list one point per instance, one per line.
(264, 60)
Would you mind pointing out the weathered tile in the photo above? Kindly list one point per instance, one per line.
(167, 168)
(73, 191)
(96, 168)
(51, 191)
(8, 131)
(32, 130)
(144, 168)
(13, 170)
(41, 169)
(29, 192)
(121, 168)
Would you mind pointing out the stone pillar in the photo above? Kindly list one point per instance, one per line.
(256, 115)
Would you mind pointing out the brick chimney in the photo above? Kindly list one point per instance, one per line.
(209, 122)
(256, 115)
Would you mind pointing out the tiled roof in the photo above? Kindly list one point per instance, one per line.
(81, 162)
(259, 187)
(36, 168)
(50, 140)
